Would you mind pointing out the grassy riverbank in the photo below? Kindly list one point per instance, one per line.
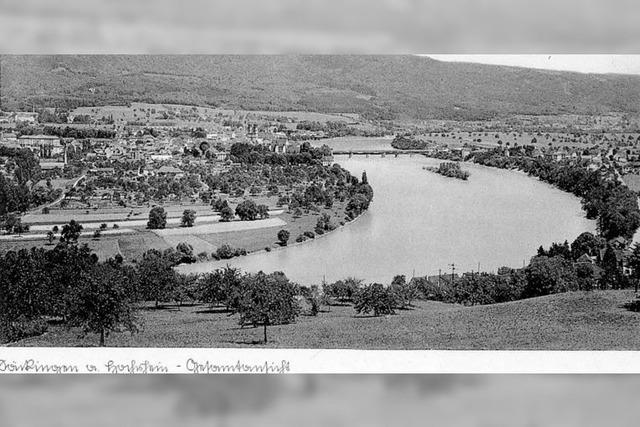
(570, 321)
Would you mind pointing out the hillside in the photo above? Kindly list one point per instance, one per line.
(377, 86)
(571, 321)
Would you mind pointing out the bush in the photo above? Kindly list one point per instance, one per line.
(301, 238)
(23, 328)
(267, 248)
(46, 210)
(283, 237)
(309, 234)
(633, 305)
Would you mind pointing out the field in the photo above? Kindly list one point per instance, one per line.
(572, 321)
(251, 236)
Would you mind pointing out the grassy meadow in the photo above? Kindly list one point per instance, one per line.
(594, 320)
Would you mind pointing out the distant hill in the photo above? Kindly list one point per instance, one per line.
(376, 86)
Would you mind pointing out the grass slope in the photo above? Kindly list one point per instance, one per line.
(572, 321)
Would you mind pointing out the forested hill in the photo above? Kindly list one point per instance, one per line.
(400, 86)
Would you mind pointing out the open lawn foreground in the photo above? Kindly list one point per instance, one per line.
(571, 321)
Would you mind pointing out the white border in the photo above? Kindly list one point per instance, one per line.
(186, 360)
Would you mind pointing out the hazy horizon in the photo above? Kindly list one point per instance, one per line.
(581, 63)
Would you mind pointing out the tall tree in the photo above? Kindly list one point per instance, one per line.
(100, 303)
(267, 300)
(188, 218)
(157, 218)
(71, 232)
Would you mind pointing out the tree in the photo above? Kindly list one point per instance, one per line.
(11, 223)
(586, 243)
(364, 179)
(50, 236)
(612, 276)
(223, 286)
(157, 218)
(97, 234)
(283, 237)
(374, 297)
(247, 210)
(267, 300)
(263, 211)
(634, 263)
(100, 302)
(547, 275)
(155, 275)
(71, 232)
(185, 253)
(226, 214)
(188, 218)
(403, 292)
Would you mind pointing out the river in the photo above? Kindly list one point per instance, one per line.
(420, 222)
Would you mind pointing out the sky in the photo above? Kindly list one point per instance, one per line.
(623, 64)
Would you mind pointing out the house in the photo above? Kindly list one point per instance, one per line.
(46, 146)
(585, 259)
(25, 117)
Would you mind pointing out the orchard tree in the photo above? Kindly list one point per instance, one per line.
(100, 302)
(226, 214)
(263, 211)
(223, 286)
(185, 253)
(71, 232)
(247, 210)
(156, 277)
(267, 300)
(403, 291)
(188, 218)
(157, 218)
(374, 298)
(283, 237)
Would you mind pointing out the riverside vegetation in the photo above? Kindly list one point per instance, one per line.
(451, 170)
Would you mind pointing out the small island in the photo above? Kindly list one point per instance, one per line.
(450, 169)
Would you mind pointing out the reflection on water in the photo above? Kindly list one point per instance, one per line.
(420, 222)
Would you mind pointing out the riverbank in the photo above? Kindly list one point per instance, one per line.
(571, 321)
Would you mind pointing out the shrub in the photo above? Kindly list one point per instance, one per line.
(309, 234)
(633, 305)
(283, 237)
(23, 328)
(300, 238)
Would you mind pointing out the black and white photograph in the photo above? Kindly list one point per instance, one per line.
(366, 202)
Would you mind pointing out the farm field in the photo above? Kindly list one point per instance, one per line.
(131, 243)
(573, 321)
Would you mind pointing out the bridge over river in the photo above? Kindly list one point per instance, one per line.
(380, 152)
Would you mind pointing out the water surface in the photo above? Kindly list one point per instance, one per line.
(420, 222)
